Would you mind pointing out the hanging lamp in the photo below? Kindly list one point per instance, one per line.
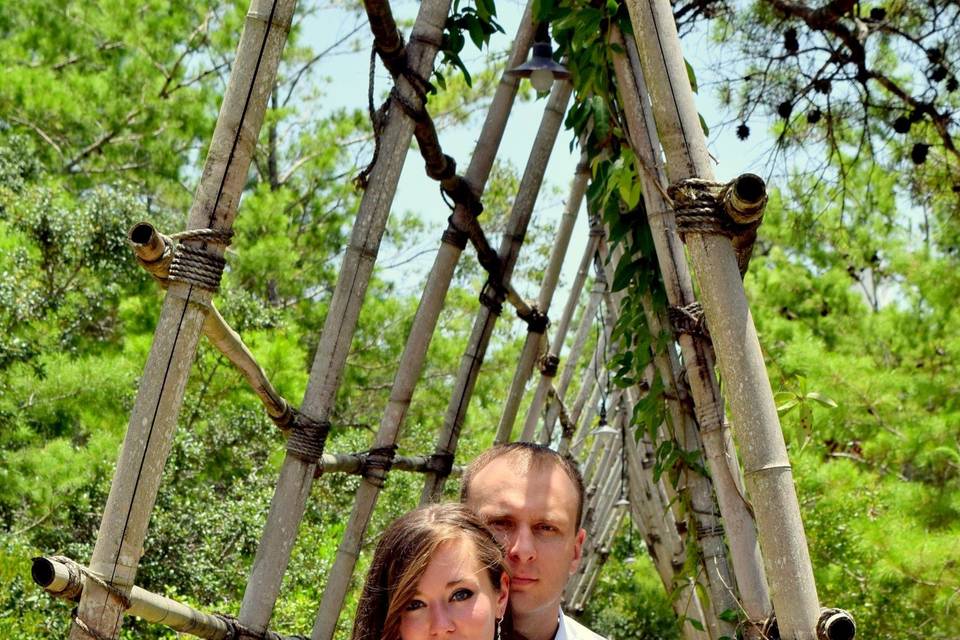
(541, 68)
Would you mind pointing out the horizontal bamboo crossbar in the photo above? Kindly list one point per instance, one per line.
(63, 578)
(355, 463)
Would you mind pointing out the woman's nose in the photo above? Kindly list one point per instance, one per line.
(441, 622)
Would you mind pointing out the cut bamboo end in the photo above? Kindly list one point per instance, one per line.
(746, 198)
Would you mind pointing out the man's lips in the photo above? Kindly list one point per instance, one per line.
(519, 581)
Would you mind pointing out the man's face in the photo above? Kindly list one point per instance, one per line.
(533, 513)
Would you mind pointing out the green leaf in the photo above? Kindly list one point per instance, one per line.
(691, 76)
(818, 397)
(729, 615)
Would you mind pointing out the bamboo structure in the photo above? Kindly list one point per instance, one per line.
(535, 333)
(296, 474)
(415, 350)
(767, 470)
(713, 431)
(149, 436)
(509, 251)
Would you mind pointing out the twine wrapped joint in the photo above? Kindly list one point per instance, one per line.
(733, 209)
(377, 463)
(549, 365)
(833, 624)
(537, 321)
(688, 319)
(199, 266)
(307, 437)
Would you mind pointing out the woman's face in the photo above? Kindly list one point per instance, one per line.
(455, 599)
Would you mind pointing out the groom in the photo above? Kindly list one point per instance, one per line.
(531, 497)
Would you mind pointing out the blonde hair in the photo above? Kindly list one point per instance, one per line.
(401, 558)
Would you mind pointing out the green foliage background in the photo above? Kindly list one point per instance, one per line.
(105, 112)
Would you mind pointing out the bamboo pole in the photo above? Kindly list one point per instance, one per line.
(357, 464)
(547, 373)
(650, 513)
(509, 251)
(149, 436)
(64, 579)
(297, 472)
(418, 341)
(154, 252)
(579, 342)
(697, 352)
(767, 468)
(707, 528)
(535, 336)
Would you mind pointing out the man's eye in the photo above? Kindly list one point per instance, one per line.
(548, 528)
(413, 605)
(460, 595)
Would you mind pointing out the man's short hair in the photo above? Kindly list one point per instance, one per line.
(534, 456)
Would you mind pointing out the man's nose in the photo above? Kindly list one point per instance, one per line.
(441, 622)
(522, 548)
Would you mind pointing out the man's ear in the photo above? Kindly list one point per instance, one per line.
(503, 595)
(577, 550)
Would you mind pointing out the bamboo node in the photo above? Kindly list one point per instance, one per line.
(307, 437)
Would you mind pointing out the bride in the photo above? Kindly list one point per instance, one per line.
(436, 571)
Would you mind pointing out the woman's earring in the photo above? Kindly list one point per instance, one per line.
(497, 635)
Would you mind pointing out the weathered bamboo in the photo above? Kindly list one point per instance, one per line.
(595, 564)
(548, 372)
(509, 251)
(535, 334)
(579, 342)
(652, 516)
(154, 252)
(357, 464)
(149, 436)
(707, 528)
(696, 349)
(588, 396)
(418, 341)
(296, 474)
(767, 468)
(65, 580)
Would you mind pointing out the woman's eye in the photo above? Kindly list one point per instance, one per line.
(461, 594)
(413, 605)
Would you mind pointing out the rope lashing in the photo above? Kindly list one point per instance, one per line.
(76, 570)
(454, 237)
(377, 463)
(688, 319)
(537, 321)
(195, 265)
(733, 209)
(491, 298)
(307, 437)
(549, 365)
(440, 463)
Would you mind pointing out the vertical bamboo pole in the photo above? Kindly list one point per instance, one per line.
(560, 334)
(548, 286)
(509, 251)
(697, 352)
(149, 436)
(767, 470)
(418, 341)
(296, 474)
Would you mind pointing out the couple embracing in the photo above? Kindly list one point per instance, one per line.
(492, 568)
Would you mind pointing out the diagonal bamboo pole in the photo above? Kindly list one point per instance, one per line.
(296, 474)
(548, 286)
(703, 507)
(576, 349)
(418, 341)
(767, 468)
(509, 251)
(697, 351)
(548, 372)
(149, 436)
(651, 514)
